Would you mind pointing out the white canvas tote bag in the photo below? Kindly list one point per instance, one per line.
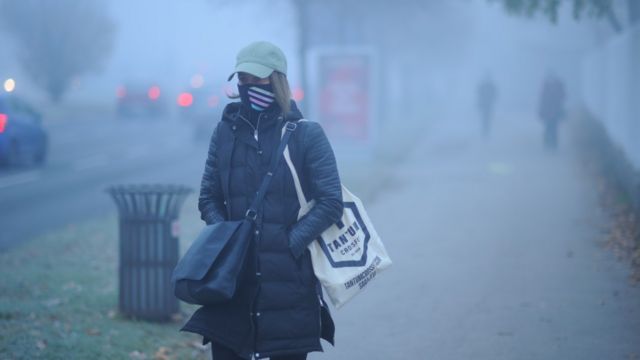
(347, 255)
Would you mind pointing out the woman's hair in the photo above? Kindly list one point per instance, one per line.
(280, 88)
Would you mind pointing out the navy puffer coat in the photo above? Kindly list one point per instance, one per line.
(278, 309)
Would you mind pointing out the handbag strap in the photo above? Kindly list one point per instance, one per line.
(296, 180)
(287, 130)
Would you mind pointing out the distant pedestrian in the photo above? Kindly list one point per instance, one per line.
(551, 109)
(277, 311)
(487, 95)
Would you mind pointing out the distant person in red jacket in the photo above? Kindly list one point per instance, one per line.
(551, 109)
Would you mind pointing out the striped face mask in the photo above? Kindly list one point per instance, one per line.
(258, 96)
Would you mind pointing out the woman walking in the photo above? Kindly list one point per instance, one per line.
(278, 311)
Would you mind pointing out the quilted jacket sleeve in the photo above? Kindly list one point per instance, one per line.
(325, 187)
(211, 200)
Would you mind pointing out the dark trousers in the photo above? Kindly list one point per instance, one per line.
(551, 134)
(486, 123)
(222, 353)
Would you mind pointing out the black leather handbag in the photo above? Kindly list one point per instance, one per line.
(209, 272)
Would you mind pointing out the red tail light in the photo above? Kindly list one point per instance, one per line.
(121, 92)
(297, 94)
(3, 122)
(154, 93)
(185, 99)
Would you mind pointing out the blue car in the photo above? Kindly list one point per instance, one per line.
(23, 141)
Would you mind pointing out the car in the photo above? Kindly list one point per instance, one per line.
(23, 140)
(140, 100)
(202, 107)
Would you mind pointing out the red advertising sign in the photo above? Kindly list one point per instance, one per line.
(343, 94)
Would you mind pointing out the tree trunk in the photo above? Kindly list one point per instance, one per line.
(634, 11)
(300, 7)
(613, 20)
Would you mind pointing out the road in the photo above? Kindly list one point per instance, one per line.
(497, 256)
(87, 155)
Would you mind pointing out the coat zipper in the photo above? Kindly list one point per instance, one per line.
(255, 128)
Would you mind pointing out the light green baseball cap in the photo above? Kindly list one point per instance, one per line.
(260, 59)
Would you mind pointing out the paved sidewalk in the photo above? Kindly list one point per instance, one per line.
(497, 256)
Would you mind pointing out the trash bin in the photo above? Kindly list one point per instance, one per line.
(149, 248)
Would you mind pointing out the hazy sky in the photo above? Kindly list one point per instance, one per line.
(453, 47)
(173, 40)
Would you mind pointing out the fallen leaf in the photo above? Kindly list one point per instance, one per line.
(177, 317)
(137, 355)
(93, 332)
(41, 344)
(162, 353)
(198, 345)
(72, 286)
(52, 302)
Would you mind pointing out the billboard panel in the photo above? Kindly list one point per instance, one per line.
(342, 94)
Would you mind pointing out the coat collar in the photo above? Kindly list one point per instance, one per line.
(232, 110)
(239, 118)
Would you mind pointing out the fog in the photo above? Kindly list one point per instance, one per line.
(443, 48)
(495, 153)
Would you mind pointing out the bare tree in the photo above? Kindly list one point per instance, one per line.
(593, 8)
(58, 40)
